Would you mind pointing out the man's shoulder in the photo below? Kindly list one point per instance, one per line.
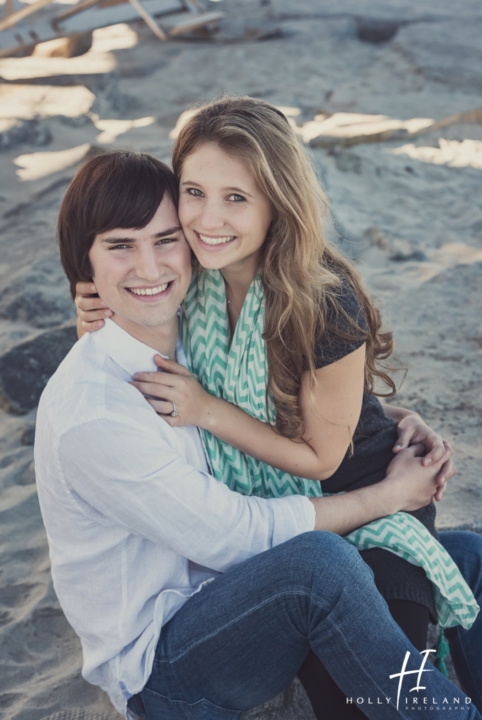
(76, 391)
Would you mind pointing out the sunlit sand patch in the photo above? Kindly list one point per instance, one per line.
(28, 101)
(29, 67)
(40, 164)
(181, 121)
(349, 125)
(111, 129)
(115, 37)
(454, 153)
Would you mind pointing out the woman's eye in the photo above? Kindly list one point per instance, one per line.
(195, 192)
(236, 198)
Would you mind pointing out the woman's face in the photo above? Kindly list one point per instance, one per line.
(224, 215)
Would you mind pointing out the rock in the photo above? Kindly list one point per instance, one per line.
(26, 368)
(376, 31)
(38, 296)
(347, 161)
(28, 435)
(17, 132)
(397, 249)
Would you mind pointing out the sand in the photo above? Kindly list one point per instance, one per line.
(407, 210)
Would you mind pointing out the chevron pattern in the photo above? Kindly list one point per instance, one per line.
(406, 537)
(237, 372)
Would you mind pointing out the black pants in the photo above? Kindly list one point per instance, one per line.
(327, 700)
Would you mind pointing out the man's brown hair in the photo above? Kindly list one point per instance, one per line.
(111, 190)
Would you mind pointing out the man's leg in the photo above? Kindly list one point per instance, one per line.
(466, 645)
(243, 638)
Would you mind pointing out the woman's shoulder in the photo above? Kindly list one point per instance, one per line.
(345, 325)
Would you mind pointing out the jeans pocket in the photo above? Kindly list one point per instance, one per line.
(160, 707)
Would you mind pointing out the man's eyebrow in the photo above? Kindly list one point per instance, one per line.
(112, 240)
(240, 191)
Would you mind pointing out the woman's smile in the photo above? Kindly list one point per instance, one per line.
(213, 242)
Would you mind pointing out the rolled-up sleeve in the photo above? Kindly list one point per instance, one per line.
(135, 479)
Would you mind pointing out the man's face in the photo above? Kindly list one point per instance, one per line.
(143, 275)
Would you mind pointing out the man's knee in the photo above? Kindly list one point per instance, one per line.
(321, 554)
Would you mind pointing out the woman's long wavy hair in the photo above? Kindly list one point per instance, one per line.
(302, 272)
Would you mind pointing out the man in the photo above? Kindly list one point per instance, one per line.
(190, 600)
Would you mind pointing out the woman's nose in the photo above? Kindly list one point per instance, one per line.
(212, 217)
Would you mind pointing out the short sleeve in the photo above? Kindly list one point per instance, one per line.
(332, 346)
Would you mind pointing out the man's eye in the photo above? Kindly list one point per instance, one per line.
(237, 198)
(166, 241)
(119, 247)
(195, 192)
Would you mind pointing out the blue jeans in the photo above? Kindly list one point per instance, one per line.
(242, 639)
(466, 645)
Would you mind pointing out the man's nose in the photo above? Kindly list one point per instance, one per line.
(147, 264)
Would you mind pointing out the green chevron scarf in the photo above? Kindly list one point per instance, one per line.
(236, 370)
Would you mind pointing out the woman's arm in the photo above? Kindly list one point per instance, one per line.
(331, 411)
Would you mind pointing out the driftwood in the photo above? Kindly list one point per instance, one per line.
(347, 139)
(178, 16)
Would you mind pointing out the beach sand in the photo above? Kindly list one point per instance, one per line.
(407, 210)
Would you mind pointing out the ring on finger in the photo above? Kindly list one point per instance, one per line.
(174, 411)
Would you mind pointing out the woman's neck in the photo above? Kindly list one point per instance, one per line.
(237, 282)
(238, 279)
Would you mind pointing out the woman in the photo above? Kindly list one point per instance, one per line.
(286, 332)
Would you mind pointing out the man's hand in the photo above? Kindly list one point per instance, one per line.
(409, 485)
(414, 484)
(412, 430)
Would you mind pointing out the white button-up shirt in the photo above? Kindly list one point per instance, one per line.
(134, 521)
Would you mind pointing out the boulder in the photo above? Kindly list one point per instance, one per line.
(18, 132)
(26, 368)
(38, 295)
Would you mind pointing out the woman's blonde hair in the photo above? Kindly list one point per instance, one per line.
(302, 273)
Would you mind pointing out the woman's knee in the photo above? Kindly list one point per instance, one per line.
(465, 549)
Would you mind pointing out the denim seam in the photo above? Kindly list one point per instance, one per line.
(360, 664)
(235, 620)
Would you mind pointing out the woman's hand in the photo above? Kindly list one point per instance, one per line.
(91, 311)
(176, 386)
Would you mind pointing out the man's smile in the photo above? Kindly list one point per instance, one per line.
(149, 294)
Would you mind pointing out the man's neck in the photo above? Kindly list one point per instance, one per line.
(162, 338)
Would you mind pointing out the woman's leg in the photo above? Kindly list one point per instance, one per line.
(466, 645)
(327, 700)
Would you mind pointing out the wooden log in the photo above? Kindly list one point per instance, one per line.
(14, 18)
(15, 39)
(148, 19)
(186, 23)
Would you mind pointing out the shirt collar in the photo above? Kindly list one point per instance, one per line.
(131, 354)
